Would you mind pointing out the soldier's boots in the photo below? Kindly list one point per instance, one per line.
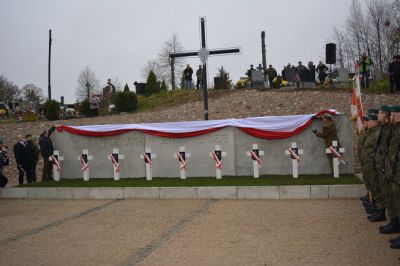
(394, 239)
(365, 198)
(371, 210)
(366, 204)
(391, 227)
(395, 244)
(379, 216)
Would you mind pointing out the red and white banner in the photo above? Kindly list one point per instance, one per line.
(255, 157)
(181, 161)
(56, 163)
(218, 163)
(295, 156)
(146, 158)
(356, 104)
(114, 162)
(267, 127)
(337, 155)
(85, 166)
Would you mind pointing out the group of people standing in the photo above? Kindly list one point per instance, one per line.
(188, 80)
(27, 151)
(378, 150)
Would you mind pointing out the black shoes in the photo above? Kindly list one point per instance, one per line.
(395, 244)
(379, 216)
(365, 198)
(391, 227)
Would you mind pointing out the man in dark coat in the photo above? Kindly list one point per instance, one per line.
(46, 149)
(187, 73)
(34, 149)
(25, 160)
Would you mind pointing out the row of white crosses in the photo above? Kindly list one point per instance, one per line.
(182, 156)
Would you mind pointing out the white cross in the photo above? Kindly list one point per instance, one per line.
(218, 164)
(181, 157)
(148, 156)
(256, 160)
(84, 158)
(115, 157)
(294, 153)
(56, 164)
(337, 158)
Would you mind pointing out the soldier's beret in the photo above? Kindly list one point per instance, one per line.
(373, 111)
(372, 117)
(365, 117)
(395, 109)
(384, 108)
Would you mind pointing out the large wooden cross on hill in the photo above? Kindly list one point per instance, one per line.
(203, 53)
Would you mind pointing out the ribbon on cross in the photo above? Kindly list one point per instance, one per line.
(114, 162)
(255, 157)
(294, 156)
(146, 159)
(218, 163)
(85, 166)
(181, 160)
(56, 163)
(337, 155)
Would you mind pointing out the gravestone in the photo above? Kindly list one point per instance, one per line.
(343, 74)
(290, 74)
(257, 77)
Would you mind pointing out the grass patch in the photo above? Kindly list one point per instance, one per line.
(274, 180)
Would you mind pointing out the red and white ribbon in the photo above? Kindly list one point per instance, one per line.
(218, 163)
(114, 162)
(295, 156)
(255, 157)
(85, 166)
(337, 155)
(56, 163)
(181, 160)
(146, 159)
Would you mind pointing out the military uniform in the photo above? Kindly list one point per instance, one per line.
(329, 134)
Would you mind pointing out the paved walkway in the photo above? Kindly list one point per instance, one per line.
(190, 232)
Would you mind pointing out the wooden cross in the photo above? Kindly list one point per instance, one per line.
(115, 157)
(56, 158)
(294, 153)
(203, 53)
(181, 157)
(84, 158)
(148, 159)
(255, 154)
(217, 155)
(337, 157)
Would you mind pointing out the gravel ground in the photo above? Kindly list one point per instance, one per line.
(190, 232)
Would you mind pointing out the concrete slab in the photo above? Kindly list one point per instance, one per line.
(42, 193)
(217, 192)
(178, 192)
(106, 193)
(271, 192)
(81, 193)
(347, 191)
(294, 192)
(141, 193)
(64, 193)
(13, 193)
(319, 192)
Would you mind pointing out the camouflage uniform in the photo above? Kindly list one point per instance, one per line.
(329, 134)
(360, 148)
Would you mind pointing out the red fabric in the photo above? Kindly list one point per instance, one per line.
(180, 135)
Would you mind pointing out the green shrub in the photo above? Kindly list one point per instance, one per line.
(85, 110)
(125, 101)
(151, 85)
(51, 110)
(126, 88)
(163, 86)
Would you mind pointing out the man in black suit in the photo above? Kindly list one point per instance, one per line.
(25, 160)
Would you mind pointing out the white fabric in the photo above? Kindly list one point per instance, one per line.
(266, 123)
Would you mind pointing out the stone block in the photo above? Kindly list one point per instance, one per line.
(178, 192)
(13, 193)
(141, 193)
(319, 192)
(294, 192)
(106, 193)
(347, 191)
(262, 192)
(217, 192)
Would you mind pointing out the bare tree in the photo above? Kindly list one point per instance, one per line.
(87, 82)
(151, 65)
(33, 94)
(8, 90)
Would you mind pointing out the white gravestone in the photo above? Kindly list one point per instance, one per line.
(115, 157)
(217, 155)
(84, 158)
(148, 159)
(255, 154)
(343, 75)
(181, 157)
(56, 158)
(337, 157)
(294, 153)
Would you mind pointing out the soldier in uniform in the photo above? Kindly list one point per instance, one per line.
(392, 168)
(329, 134)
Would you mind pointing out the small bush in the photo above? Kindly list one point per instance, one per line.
(163, 86)
(126, 88)
(85, 110)
(125, 101)
(151, 85)
(51, 110)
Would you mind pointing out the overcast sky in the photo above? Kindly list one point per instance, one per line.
(116, 38)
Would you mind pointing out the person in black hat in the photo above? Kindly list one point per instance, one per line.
(46, 149)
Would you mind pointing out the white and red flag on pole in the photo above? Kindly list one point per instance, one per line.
(356, 104)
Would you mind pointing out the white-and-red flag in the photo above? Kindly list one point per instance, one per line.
(295, 156)
(56, 163)
(114, 162)
(255, 157)
(356, 104)
(182, 162)
(147, 159)
(85, 166)
(218, 163)
(337, 155)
